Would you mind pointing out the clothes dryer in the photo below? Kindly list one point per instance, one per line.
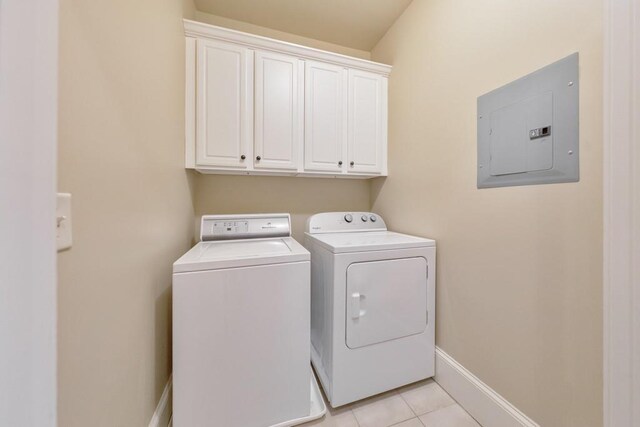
(372, 305)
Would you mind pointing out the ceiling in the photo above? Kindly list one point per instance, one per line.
(358, 24)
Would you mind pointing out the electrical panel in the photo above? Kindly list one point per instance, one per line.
(528, 129)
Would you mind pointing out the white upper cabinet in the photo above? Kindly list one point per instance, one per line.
(366, 136)
(255, 105)
(279, 111)
(325, 105)
(224, 104)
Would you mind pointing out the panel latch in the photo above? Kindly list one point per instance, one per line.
(540, 132)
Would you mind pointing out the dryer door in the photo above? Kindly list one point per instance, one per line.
(385, 300)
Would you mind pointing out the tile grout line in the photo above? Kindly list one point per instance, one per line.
(351, 406)
(405, 401)
(414, 418)
(391, 392)
(397, 392)
(354, 416)
(454, 402)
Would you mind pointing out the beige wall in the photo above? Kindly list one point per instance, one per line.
(121, 133)
(519, 269)
(301, 197)
(188, 9)
(279, 35)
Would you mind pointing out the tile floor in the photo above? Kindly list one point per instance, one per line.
(423, 404)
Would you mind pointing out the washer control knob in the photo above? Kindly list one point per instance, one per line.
(348, 217)
(373, 218)
(364, 218)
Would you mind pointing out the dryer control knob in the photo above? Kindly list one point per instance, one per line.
(364, 218)
(373, 218)
(348, 217)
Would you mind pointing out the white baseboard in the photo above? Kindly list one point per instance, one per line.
(162, 416)
(478, 399)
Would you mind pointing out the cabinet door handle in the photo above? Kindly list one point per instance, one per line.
(258, 158)
(352, 163)
(243, 157)
(340, 163)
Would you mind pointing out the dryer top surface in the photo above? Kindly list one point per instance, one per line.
(369, 241)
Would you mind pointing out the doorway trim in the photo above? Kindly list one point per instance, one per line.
(621, 213)
(28, 144)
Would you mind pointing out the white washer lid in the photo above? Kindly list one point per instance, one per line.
(369, 241)
(240, 253)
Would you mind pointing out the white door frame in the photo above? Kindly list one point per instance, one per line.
(28, 128)
(622, 213)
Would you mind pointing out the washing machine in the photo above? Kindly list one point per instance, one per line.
(241, 327)
(372, 305)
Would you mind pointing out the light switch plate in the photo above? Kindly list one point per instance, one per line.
(63, 221)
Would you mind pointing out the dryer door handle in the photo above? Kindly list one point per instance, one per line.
(354, 303)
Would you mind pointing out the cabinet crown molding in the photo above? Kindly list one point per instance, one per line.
(207, 31)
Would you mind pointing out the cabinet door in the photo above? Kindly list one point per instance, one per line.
(224, 104)
(325, 109)
(278, 111)
(366, 117)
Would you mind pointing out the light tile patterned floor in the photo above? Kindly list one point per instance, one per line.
(423, 404)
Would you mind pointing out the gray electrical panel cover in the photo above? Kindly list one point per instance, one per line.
(528, 129)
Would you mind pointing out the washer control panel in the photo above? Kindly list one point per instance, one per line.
(340, 222)
(223, 227)
(230, 227)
